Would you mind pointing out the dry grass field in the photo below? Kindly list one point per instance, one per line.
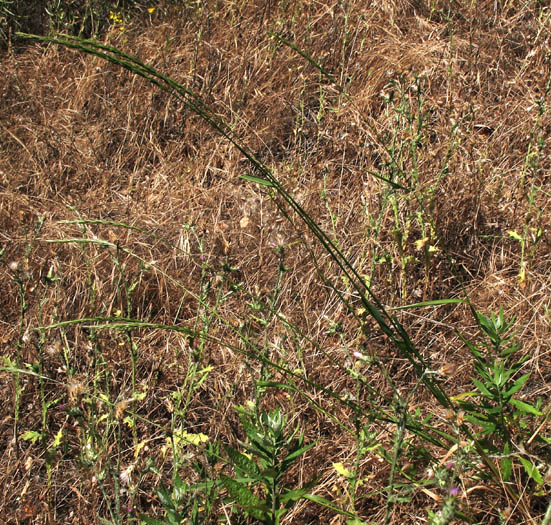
(290, 264)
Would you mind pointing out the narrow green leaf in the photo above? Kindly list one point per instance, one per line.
(179, 490)
(506, 464)
(328, 504)
(507, 468)
(269, 474)
(293, 495)
(436, 302)
(258, 180)
(305, 55)
(256, 448)
(165, 498)
(482, 388)
(299, 452)
(174, 517)
(242, 463)
(395, 185)
(239, 493)
(57, 439)
(487, 427)
(532, 470)
(514, 235)
(151, 521)
(518, 384)
(525, 408)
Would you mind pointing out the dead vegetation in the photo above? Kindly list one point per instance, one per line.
(116, 201)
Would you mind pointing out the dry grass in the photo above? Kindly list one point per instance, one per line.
(83, 139)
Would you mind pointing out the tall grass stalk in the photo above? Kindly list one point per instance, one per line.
(388, 324)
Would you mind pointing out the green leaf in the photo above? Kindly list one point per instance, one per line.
(203, 375)
(293, 496)
(487, 427)
(388, 181)
(57, 439)
(165, 497)
(269, 474)
(482, 388)
(514, 235)
(532, 470)
(436, 302)
(258, 180)
(328, 504)
(31, 435)
(239, 493)
(264, 454)
(506, 464)
(472, 348)
(517, 385)
(291, 457)
(174, 517)
(488, 326)
(151, 521)
(525, 408)
(501, 375)
(463, 395)
(242, 463)
(244, 497)
(179, 490)
(305, 55)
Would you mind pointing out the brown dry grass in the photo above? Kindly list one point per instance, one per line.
(81, 138)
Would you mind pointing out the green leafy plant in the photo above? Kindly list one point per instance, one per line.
(268, 454)
(180, 504)
(496, 366)
(492, 408)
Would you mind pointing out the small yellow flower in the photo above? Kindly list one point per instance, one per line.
(150, 10)
(342, 470)
(194, 439)
(183, 438)
(115, 17)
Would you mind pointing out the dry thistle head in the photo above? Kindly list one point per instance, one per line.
(122, 406)
(447, 369)
(75, 389)
(54, 349)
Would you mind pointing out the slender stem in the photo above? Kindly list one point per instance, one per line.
(547, 518)
(396, 455)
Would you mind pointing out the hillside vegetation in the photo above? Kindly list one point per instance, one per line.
(275, 262)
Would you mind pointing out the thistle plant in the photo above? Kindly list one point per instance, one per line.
(180, 504)
(496, 367)
(268, 454)
(492, 407)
